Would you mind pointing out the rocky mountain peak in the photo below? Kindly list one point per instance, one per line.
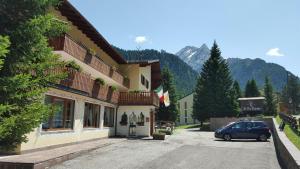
(194, 56)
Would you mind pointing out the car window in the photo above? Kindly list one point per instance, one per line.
(259, 125)
(249, 125)
(239, 125)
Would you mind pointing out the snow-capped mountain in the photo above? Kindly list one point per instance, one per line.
(193, 56)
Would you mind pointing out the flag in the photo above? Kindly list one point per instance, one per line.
(166, 99)
(160, 93)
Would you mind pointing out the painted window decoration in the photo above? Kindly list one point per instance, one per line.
(132, 120)
(91, 116)
(141, 120)
(63, 114)
(124, 119)
(109, 117)
(143, 79)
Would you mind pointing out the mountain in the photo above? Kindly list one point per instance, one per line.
(193, 56)
(242, 70)
(184, 76)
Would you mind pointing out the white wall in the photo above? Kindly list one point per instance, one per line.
(140, 130)
(189, 101)
(39, 138)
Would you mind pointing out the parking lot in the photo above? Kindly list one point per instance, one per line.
(185, 149)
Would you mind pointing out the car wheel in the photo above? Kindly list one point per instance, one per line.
(227, 137)
(263, 137)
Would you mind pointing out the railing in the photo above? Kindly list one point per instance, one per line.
(138, 98)
(82, 82)
(75, 80)
(81, 53)
(292, 121)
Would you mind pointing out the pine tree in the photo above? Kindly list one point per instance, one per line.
(237, 89)
(25, 74)
(169, 113)
(270, 106)
(213, 94)
(251, 89)
(291, 93)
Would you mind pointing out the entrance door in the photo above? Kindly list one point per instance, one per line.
(151, 122)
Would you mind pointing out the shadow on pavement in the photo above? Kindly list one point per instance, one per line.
(238, 140)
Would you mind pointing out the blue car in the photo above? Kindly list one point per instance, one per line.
(244, 130)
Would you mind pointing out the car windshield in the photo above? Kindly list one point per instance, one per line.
(229, 124)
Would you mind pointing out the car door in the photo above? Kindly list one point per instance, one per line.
(250, 132)
(238, 130)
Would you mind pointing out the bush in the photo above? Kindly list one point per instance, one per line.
(158, 136)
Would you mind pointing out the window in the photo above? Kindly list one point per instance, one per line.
(143, 79)
(239, 125)
(109, 117)
(147, 84)
(249, 125)
(185, 116)
(91, 115)
(259, 125)
(63, 115)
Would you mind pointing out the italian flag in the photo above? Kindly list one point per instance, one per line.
(160, 93)
(166, 99)
(163, 97)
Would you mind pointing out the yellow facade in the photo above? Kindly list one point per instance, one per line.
(40, 138)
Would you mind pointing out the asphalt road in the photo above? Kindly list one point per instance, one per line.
(185, 149)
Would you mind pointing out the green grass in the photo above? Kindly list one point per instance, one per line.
(292, 136)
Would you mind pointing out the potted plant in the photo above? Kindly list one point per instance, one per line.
(158, 136)
(73, 65)
(113, 88)
(99, 81)
(92, 52)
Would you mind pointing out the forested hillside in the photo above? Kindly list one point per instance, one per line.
(244, 69)
(185, 77)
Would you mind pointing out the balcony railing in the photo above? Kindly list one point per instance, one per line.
(138, 98)
(80, 52)
(82, 82)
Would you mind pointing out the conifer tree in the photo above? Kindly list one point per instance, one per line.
(237, 89)
(213, 94)
(25, 74)
(291, 93)
(270, 106)
(169, 113)
(251, 89)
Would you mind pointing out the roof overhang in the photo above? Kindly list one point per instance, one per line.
(251, 98)
(74, 16)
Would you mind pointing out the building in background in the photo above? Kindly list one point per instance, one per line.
(251, 105)
(185, 107)
(88, 108)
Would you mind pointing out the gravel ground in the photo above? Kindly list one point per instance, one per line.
(185, 149)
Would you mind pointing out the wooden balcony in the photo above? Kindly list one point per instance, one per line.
(80, 52)
(138, 98)
(82, 83)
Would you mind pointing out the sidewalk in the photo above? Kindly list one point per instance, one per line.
(46, 158)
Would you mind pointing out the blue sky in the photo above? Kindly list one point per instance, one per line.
(267, 29)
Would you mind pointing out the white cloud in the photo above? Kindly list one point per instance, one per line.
(140, 39)
(274, 52)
